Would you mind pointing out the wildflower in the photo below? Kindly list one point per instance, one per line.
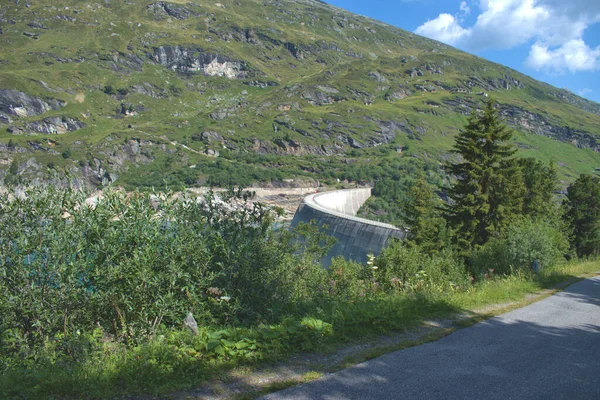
(214, 291)
(225, 298)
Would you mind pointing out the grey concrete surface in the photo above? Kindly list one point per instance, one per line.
(347, 202)
(335, 213)
(547, 350)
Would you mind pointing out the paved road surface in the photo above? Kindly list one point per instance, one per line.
(547, 350)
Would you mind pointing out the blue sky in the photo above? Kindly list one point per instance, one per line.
(555, 41)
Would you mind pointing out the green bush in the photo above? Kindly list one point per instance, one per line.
(405, 266)
(108, 89)
(348, 280)
(131, 263)
(524, 241)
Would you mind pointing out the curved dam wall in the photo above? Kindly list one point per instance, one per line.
(356, 237)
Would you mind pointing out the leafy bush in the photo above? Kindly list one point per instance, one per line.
(525, 240)
(108, 89)
(405, 266)
(131, 263)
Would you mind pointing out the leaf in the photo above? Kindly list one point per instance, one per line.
(212, 344)
(220, 350)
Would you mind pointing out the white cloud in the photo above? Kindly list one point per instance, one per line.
(464, 7)
(555, 27)
(584, 91)
(507, 23)
(444, 28)
(573, 56)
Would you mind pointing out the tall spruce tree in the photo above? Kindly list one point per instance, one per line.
(488, 189)
(421, 213)
(582, 211)
(540, 183)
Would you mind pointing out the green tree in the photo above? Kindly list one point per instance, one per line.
(582, 211)
(14, 168)
(540, 183)
(421, 212)
(488, 189)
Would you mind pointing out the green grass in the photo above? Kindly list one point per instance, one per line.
(517, 287)
(166, 365)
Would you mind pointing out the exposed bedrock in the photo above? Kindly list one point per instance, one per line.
(193, 59)
(19, 104)
(335, 213)
(51, 125)
(164, 9)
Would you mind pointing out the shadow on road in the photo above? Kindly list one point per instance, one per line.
(548, 349)
(582, 293)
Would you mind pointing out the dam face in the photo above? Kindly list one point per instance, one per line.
(335, 214)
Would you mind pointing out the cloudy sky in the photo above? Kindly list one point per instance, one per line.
(556, 41)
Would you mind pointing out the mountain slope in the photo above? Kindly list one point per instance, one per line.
(142, 92)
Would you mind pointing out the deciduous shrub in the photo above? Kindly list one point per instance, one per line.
(405, 266)
(130, 263)
(524, 241)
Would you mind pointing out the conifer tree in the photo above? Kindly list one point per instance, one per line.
(582, 210)
(421, 212)
(540, 183)
(488, 189)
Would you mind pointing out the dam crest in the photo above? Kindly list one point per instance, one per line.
(335, 214)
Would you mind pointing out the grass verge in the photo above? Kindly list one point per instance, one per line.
(177, 361)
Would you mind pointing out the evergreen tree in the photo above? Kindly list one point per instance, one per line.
(488, 188)
(540, 183)
(14, 168)
(582, 210)
(421, 212)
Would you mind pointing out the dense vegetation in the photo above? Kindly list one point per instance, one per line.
(93, 294)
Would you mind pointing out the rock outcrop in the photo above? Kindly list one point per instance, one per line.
(19, 104)
(51, 125)
(163, 10)
(540, 125)
(195, 60)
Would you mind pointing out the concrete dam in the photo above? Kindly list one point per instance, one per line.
(335, 214)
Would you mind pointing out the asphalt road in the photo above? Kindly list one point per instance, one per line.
(547, 350)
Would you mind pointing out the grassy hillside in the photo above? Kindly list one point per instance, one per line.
(144, 92)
